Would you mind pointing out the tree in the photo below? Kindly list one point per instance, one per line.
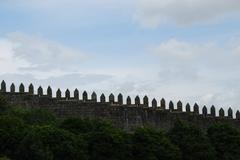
(150, 144)
(33, 116)
(226, 141)
(107, 145)
(39, 117)
(105, 142)
(49, 142)
(11, 132)
(192, 142)
(77, 125)
(4, 158)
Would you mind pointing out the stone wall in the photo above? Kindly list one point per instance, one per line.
(123, 115)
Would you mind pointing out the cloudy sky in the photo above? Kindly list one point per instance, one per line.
(185, 50)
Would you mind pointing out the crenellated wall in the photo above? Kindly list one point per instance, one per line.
(127, 115)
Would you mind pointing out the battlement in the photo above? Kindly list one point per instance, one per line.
(65, 104)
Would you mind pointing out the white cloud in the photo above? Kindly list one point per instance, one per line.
(69, 14)
(205, 72)
(197, 54)
(179, 49)
(148, 13)
(32, 58)
(68, 6)
(152, 13)
(33, 52)
(8, 62)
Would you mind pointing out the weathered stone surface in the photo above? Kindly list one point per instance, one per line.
(31, 89)
(196, 108)
(59, 94)
(230, 113)
(120, 99)
(129, 100)
(102, 98)
(76, 94)
(3, 86)
(40, 91)
(137, 101)
(238, 115)
(125, 116)
(221, 113)
(12, 88)
(67, 94)
(94, 97)
(213, 111)
(188, 108)
(171, 106)
(49, 91)
(179, 106)
(154, 103)
(163, 103)
(204, 111)
(111, 98)
(85, 96)
(21, 88)
(145, 101)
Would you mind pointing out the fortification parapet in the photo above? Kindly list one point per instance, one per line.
(129, 102)
(230, 113)
(196, 108)
(31, 89)
(67, 94)
(163, 104)
(154, 103)
(171, 106)
(102, 98)
(12, 88)
(49, 91)
(145, 101)
(221, 113)
(238, 115)
(137, 101)
(188, 108)
(204, 111)
(40, 91)
(3, 86)
(124, 114)
(213, 111)
(85, 96)
(76, 94)
(179, 106)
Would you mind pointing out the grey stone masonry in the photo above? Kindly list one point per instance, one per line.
(124, 115)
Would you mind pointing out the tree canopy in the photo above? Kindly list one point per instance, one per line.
(36, 134)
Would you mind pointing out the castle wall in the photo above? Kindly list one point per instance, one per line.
(126, 116)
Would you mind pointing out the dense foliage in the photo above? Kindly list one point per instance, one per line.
(35, 134)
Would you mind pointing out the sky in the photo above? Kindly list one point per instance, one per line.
(186, 50)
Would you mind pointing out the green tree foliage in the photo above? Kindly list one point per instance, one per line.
(78, 126)
(151, 144)
(104, 141)
(226, 141)
(107, 146)
(39, 117)
(192, 142)
(32, 116)
(4, 158)
(49, 142)
(36, 134)
(11, 133)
